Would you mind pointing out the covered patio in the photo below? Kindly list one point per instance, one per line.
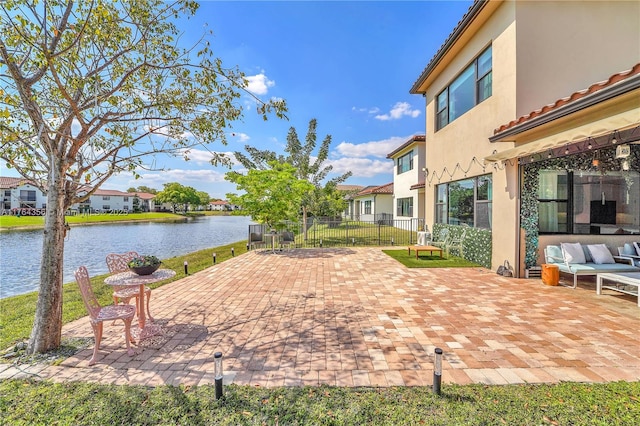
(356, 317)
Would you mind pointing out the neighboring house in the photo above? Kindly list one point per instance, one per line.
(144, 201)
(551, 175)
(106, 200)
(220, 205)
(374, 203)
(20, 193)
(349, 191)
(408, 178)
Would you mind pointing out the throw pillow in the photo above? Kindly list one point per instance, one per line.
(601, 254)
(587, 254)
(629, 249)
(554, 254)
(637, 246)
(572, 253)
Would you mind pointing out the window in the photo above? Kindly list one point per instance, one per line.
(588, 202)
(404, 207)
(405, 163)
(106, 197)
(26, 195)
(467, 201)
(469, 88)
(367, 207)
(552, 201)
(126, 199)
(106, 207)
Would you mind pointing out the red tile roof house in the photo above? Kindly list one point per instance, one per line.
(532, 123)
(18, 193)
(219, 205)
(408, 181)
(374, 203)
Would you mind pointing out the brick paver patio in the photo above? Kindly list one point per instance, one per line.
(356, 317)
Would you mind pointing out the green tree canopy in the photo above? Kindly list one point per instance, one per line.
(271, 195)
(310, 166)
(143, 188)
(93, 88)
(178, 194)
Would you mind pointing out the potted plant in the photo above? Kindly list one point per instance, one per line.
(144, 265)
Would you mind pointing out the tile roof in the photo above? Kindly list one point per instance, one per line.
(349, 188)
(113, 192)
(10, 182)
(382, 189)
(219, 203)
(614, 79)
(418, 185)
(414, 139)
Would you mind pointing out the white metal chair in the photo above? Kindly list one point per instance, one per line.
(457, 243)
(443, 239)
(99, 314)
(118, 263)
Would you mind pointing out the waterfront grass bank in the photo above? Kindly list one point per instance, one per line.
(17, 312)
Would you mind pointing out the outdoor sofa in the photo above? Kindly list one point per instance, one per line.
(593, 259)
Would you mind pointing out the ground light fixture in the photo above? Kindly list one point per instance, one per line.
(437, 372)
(218, 373)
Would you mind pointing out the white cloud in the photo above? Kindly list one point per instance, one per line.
(259, 84)
(362, 167)
(399, 110)
(240, 137)
(370, 149)
(194, 178)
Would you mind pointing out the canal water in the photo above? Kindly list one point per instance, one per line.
(21, 251)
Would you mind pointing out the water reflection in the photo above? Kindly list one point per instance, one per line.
(20, 251)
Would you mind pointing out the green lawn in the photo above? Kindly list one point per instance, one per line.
(83, 404)
(38, 221)
(426, 260)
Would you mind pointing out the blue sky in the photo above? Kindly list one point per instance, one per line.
(350, 65)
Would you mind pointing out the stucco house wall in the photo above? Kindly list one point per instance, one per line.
(541, 51)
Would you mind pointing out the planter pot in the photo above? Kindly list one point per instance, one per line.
(145, 270)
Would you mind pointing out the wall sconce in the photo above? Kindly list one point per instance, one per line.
(589, 146)
(614, 140)
(550, 154)
(425, 171)
(566, 150)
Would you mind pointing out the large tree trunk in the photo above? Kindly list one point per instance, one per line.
(47, 328)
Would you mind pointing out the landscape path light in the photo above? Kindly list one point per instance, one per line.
(437, 372)
(218, 373)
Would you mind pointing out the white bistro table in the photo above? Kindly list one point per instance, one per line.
(131, 279)
(624, 282)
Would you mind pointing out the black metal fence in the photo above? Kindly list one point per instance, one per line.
(341, 232)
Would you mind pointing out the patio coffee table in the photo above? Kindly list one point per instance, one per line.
(430, 249)
(623, 280)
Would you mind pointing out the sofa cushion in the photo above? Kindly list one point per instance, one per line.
(572, 253)
(600, 254)
(554, 254)
(593, 269)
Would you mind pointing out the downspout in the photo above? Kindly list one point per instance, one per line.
(518, 227)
